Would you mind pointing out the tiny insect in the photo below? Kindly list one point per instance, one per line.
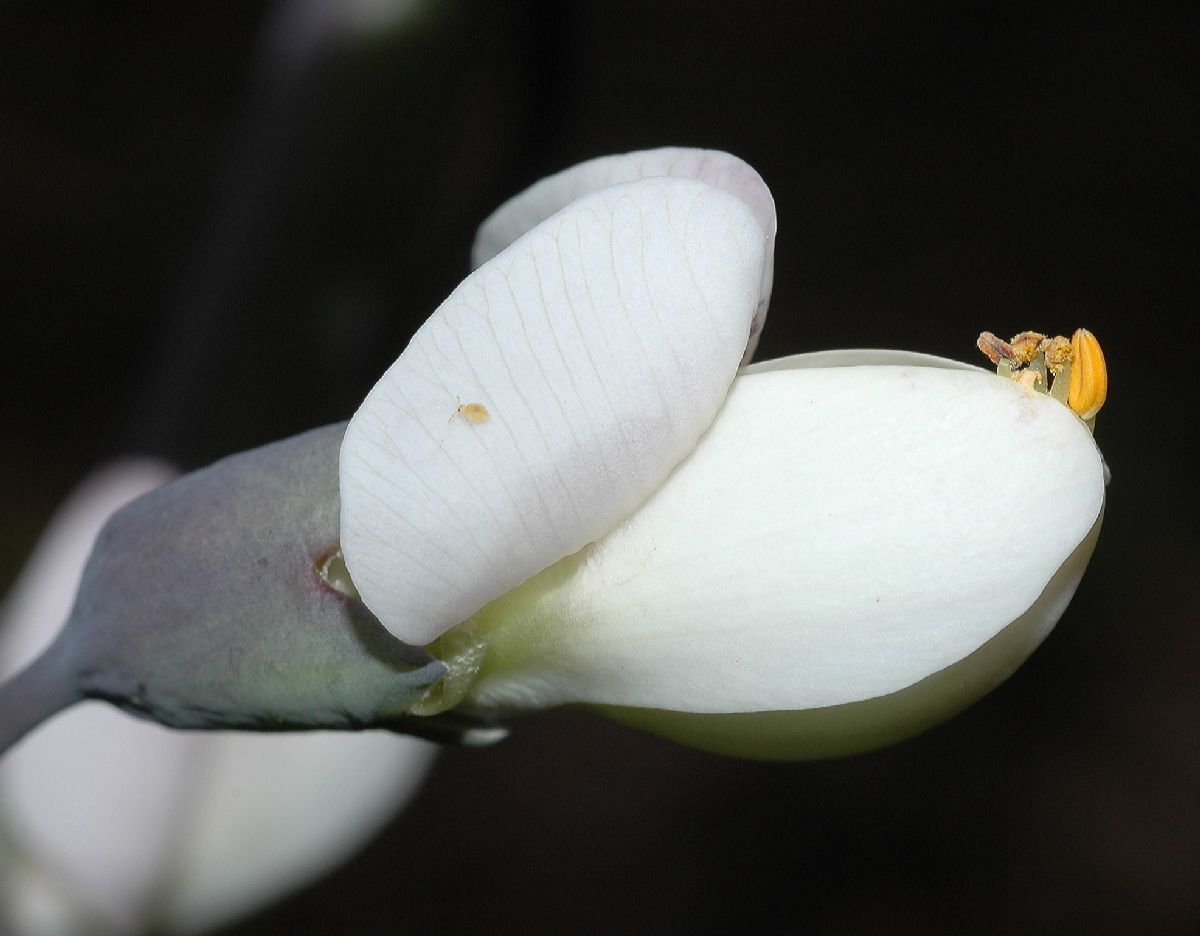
(471, 412)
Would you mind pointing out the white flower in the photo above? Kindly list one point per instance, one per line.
(833, 552)
(109, 824)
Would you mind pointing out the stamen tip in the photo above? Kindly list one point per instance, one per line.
(1089, 375)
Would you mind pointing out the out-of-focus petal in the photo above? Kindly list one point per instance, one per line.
(269, 813)
(590, 355)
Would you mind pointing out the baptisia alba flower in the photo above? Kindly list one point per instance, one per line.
(568, 490)
(113, 825)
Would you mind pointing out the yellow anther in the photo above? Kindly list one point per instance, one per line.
(1071, 370)
(997, 349)
(1026, 345)
(1058, 353)
(1089, 376)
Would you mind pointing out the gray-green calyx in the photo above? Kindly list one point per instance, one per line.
(203, 606)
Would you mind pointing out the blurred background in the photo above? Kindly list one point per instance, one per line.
(220, 222)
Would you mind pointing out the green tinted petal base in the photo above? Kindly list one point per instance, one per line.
(855, 727)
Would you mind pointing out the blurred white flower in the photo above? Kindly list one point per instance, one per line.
(113, 825)
(825, 554)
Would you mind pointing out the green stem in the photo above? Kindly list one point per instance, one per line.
(44, 688)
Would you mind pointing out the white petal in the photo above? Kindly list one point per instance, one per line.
(852, 357)
(93, 799)
(722, 170)
(839, 534)
(601, 344)
(270, 813)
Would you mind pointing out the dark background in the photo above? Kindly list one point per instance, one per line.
(214, 233)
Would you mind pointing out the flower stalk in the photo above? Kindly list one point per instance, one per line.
(41, 690)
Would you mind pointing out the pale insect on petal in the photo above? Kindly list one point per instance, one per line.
(473, 412)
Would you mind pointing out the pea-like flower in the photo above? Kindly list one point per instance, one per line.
(569, 489)
(804, 557)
